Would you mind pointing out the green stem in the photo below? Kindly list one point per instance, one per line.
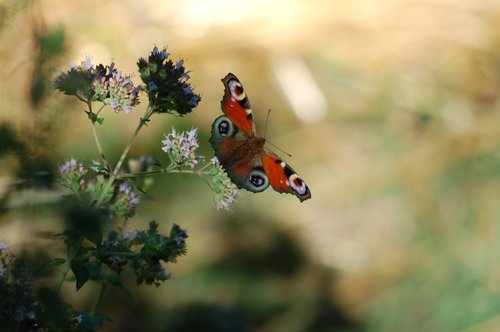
(98, 298)
(64, 273)
(99, 147)
(113, 176)
(96, 138)
(163, 171)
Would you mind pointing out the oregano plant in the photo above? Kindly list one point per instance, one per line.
(104, 195)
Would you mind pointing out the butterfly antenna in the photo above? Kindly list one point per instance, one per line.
(265, 132)
(277, 148)
(267, 121)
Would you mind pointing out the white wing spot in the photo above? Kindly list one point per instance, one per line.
(301, 190)
(233, 88)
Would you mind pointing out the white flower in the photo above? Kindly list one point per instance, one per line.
(3, 245)
(72, 166)
(182, 147)
(126, 190)
(130, 235)
(87, 62)
(215, 161)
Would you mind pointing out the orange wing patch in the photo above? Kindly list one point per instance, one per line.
(283, 178)
(236, 106)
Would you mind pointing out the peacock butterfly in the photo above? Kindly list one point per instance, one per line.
(242, 153)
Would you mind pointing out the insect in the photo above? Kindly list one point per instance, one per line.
(242, 154)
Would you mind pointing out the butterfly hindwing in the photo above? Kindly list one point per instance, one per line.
(239, 155)
(282, 177)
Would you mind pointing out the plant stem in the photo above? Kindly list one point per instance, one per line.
(163, 171)
(99, 147)
(96, 138)
(98, 299)
(64, 273)
(113, 176)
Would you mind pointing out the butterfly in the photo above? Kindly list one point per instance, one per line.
(242, 154)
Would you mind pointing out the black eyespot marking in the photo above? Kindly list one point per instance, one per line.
(223, 128)
(257, 181)
(278, 161)
(249, 116)
(239, 89)
(288, 171)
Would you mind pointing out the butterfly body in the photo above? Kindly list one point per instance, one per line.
(243, 154)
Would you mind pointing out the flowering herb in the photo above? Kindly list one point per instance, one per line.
(126, 201)
(166, 83)
(71, 174)
(115, 89)
(99, 248)
(225, 191)
(182, 148)
(78, 80)
(144, 251)
(99, 83)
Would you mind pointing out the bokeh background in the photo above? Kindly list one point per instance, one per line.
(390, 109)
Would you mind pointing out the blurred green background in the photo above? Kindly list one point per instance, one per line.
(390, 109)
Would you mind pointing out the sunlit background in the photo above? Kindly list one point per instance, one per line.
(391, 111)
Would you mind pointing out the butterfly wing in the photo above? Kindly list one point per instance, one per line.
(282, 177)
(239, 155)
(236, 106)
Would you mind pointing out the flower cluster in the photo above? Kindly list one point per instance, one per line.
(122, 202)
(78, 80)
(125, 202)
(19, 309)
(71, 174)
(115, 89)
(182, 148)
(144, 251)
(166, 84)
(225, 191)
(99, 83)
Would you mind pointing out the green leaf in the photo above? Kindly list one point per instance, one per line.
(52, 42)
(81, 273)
(100, 120)
(50, 265)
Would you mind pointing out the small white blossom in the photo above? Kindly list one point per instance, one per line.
(215, 161)
(182, 147)
(164, 273)
(130, 235)
(126, 201)
(4, 245)
(72, 166)
(126, 190)
(87, 63)
(117, 91)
